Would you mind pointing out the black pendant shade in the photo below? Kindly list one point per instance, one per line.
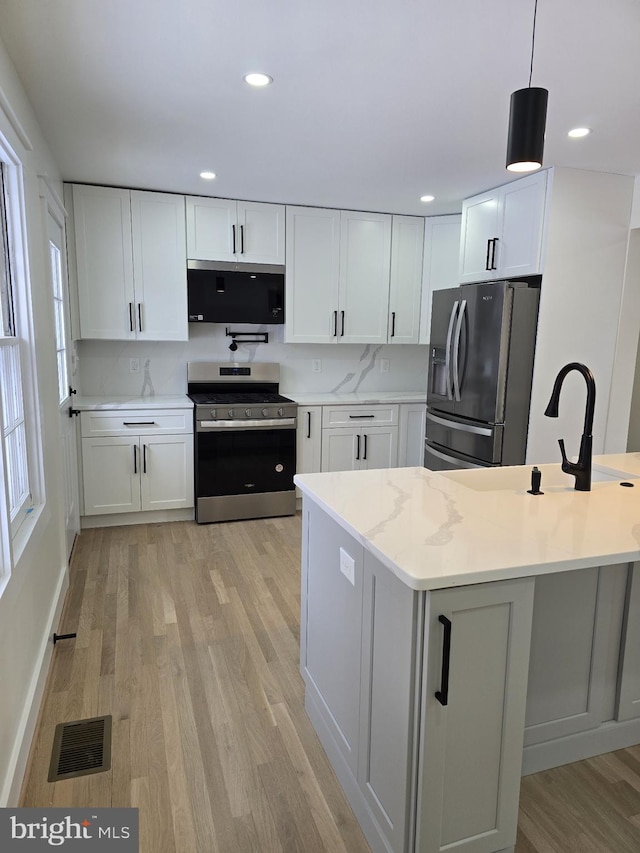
(527, 119)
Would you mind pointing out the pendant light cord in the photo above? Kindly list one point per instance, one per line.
(533, 40)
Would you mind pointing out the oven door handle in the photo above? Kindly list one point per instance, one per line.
(267, 423)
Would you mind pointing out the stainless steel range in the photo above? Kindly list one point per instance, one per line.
(245, 441)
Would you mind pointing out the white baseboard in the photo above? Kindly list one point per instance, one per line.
(154, 516)
(24, 737)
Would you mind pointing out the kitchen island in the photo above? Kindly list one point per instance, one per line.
(451, 620)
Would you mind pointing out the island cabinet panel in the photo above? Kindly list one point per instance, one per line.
(569, 665)
(389, 699)
(471, 748)
(330, 658)
(629, 685)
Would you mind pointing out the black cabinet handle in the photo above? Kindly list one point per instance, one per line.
(342, 324)
(242, 239)
(140, 316)
(486, 261)
(360, 417)
(144, 458)
(335, 324)
(493, 253)
(308, 424)
(357, 447)
(233, 230)
(138, 423)
(393, 323)
(364, 455)
(131, 329)
(442, 695)
(135, 458)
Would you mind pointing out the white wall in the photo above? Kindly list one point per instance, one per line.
(104, 365)
(30, 602)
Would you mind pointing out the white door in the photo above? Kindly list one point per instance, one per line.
(58, 282)
(166, 471)
(519, 250)
(407, 239)
(111, 474)
(211, 229)
(379, 447)
(308, 439)
(261, 233)
(341, 449)
(479, 228)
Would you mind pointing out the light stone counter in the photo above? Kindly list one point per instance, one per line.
(444, 529)
(179, 401)
(319, 398)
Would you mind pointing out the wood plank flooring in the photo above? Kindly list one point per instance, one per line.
(188, 635)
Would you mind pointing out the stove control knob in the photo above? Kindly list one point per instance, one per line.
(265, 413)
(213, 414)
(247, 412)
(231, 413)
(281, 412)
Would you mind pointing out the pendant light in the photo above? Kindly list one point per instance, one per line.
(527, 119)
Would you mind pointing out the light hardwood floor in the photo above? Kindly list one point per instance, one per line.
(188, 635)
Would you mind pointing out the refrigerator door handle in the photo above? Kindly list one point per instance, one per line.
(456, 362)
(460, 463)
(462, 427)
(447, 362)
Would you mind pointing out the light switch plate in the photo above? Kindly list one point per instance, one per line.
(316, 365)
(384, 365)
(134, 365)
(348, 566)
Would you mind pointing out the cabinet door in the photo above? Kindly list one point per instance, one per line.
(441, 261)
(309, 439)
(167, 471)
(388, 699)
(479, 225)
(411, 434)
(332, 625)
(407, 241)
(341, 449)
(260, 239)
(160, 266)
(365, 256)
(212, 233)
(313, 263)
(520, 248)
(471, 750)
(629, 684)
(111, 475)
(379, 447)
(102, 223)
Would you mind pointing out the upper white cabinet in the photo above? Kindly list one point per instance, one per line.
(131, 264)
(338, 265)
(503, 230)
(407, 241)
(440, 267)
(221, 229)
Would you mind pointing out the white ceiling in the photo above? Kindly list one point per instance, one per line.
(374, 102)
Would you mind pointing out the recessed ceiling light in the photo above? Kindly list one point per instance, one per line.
(208, 176)
(578, 132)
(257, 79)
(427, 197)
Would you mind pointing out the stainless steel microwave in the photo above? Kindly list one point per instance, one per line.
(235, 293)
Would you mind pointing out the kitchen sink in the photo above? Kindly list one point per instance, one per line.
(518, 478)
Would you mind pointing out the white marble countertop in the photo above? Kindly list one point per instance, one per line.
(328, 398)
(444, 529)
(179, 401)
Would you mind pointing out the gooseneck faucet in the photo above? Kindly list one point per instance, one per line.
(581, 469)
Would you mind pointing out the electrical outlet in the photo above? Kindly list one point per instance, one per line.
(134, 365)
(348, 566)
(384, 365)
(316, 365)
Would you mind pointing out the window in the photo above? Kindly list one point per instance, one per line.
(60, 321)
(14, 459)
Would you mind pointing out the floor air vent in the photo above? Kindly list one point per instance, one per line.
(80, 748)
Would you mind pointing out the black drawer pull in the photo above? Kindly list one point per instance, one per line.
(442, 695)
(360, 417)
(357, 447)
(308, 424)
(138, 423)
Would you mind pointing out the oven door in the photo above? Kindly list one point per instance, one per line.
(238, 458)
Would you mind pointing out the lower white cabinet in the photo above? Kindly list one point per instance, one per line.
(413, 422)
(628, 699)
(133, 464)
(359, 437)
(309, 440)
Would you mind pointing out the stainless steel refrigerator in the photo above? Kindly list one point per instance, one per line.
(480, 369)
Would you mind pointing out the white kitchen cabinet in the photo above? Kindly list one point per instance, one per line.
(359, 437)
(221, 229)
(502, 234)
(411, 433)
(405, 286)
(471, 747)
(309, 440)
(440, 267)
(628, 700)
(136, 460)
(338, 268)
(130, 258)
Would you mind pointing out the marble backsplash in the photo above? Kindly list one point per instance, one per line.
(103, 367)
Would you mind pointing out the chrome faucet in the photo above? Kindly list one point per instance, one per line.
(581, 469)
